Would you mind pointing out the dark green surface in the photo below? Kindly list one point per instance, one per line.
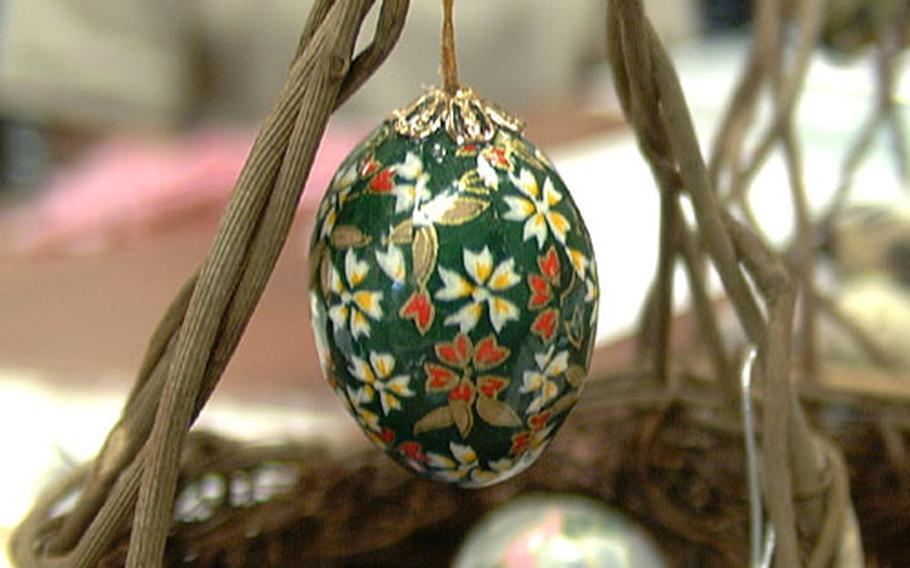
(366, 217)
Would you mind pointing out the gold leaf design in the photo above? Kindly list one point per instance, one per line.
(325, 272)
(435, 420)
(313, 263)
(517, 146)
(425, 250)
(471, 182)
(403, 233)
(463, 416)
(576, 374)
(349, 236)
(564, 403)
(575, 328)
(377, 137)
(462, 210)
(497, 413)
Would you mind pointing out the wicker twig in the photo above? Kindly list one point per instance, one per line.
(656, 107)
(202, 328)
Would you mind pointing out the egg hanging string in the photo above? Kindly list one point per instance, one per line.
(449, 63)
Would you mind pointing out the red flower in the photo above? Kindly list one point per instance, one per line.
(549, 264)
(383, 182)
(454, 375)
(466, 150)
(412, 450)
(419, 307)
(369, 167)
(498, 157)
(463, 392)
(546, 324)
(520, 442)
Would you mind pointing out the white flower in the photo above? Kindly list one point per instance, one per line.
(464, 467)
(377, 375)
(354, 306)
(339, 193)
(415, 190)
(584, 268)
(579, 261)
(481, 287)
(536, 209)
(357, 398)
(541, 380)
(449, 469)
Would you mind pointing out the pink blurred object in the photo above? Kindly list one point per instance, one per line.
(124, 189)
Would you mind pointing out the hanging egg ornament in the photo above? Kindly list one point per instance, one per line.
(454, 292)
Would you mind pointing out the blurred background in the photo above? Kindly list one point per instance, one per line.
(123, 124)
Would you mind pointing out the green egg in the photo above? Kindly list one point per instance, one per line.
(454, 291)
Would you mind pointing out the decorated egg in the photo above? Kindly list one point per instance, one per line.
(453, 291)
(550, 530)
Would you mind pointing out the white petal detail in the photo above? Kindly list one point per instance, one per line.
(550, 196)
(404, 197)
(355, 270)
(579, 261)
(464, 454)
(369, 419)
(359, 396)
(487, 173)
(454, 285)
(590, 290)
(360, 327)
(558, 365)
(399, 386)
(370, 303)
(388, 402)
(438, 461)
(467, 317)
(519, 208)
(412, 167)
(543, 358)
(391, 261)
(527, 184)
(536, 405)
(383, 364)
(536, 227)
(339, 316)
(361, 370)
(559, 225)
(502, 311)
(479, 265)
(532, 381)
(336, 284)
(504, 277)
(503, 465)
(435, 209)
